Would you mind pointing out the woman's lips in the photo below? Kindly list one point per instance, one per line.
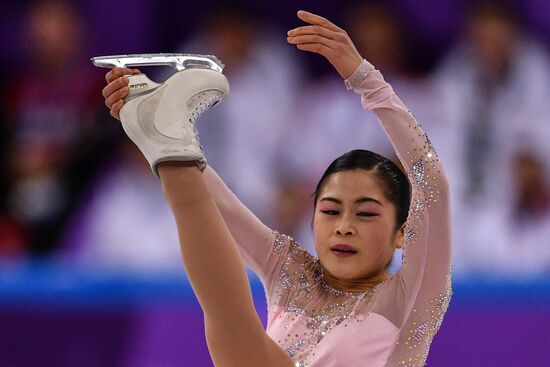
(343, 250)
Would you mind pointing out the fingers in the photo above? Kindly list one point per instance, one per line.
(116, 96)
(314, 29)
(321, 32)
(116, 73)
(115, 109)
(312, 39)
(318, 20)
(325, 38)
(117, 89)
(114, 86)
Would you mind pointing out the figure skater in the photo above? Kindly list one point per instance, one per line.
(342, 308)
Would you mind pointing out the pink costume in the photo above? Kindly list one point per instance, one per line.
(392, 325)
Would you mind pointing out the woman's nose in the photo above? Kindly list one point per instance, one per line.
(345, 228)
(344, 231)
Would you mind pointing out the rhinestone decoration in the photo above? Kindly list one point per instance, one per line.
(358, 75)
(422, 334)
(409, 235)
(299, 285)
(423, 177)
(418, 172)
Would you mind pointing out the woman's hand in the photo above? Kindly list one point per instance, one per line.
(325, 38)
(117, 89)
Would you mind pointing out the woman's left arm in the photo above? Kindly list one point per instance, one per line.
(427, 254)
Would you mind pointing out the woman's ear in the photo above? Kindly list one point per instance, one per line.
(400, 239)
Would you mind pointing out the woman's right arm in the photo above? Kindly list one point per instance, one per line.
(234, 333)
(254, 239)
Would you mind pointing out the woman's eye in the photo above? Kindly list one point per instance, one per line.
(367, 214)
(330, 212)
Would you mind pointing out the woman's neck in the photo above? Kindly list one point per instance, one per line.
(353, 285)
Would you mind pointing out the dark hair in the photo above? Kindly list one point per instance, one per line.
(396, 185)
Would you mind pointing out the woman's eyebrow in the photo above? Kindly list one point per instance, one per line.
(358, 201)
(334, 200)
(367, 199)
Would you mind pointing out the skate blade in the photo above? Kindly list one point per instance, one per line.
(177, 61)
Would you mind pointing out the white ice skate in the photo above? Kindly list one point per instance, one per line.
(160, 118)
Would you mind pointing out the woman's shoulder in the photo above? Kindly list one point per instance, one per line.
(298, 269)
(295, 252)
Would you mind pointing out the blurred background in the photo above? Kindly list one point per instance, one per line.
(90, 272)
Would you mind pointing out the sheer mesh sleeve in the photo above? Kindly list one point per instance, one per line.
(415, 298)
(254, 239)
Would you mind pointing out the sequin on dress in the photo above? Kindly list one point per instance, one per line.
(394, 323)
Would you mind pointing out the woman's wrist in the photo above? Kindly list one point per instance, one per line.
(358, 75)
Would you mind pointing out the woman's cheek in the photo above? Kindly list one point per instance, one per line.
(322, 221)
(375, 240)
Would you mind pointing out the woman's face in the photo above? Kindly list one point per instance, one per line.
(354, 226)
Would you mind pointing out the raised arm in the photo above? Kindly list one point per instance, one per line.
(427, 251)
(253, 238)
(234, 332)
(416, 298)
(161, 122)
(428, 222)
